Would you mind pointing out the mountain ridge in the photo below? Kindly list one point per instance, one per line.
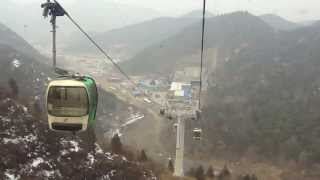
(131, 39)
(279, 23)
(187, 42)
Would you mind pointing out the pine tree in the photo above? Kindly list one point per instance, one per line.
(191, 172)
(246, 177)
(143, 156)
(116, 145)
(225, 173)
(199, 175)
(14, 87)
(210, 172)
(170, 165)
(254, 177)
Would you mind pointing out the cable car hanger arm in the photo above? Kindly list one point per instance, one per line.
(99, 47)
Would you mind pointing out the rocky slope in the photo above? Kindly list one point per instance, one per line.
(30, 151)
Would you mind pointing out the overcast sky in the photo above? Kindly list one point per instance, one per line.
(294, 10)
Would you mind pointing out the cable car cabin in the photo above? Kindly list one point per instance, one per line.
(175, 125)
(194, 116)
(197, 133)
(169, 116)
(162, 111)
(72, 104)
(198, 114)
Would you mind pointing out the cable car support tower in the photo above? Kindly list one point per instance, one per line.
(183, 115)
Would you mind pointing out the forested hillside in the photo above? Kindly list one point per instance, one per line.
(263, 95)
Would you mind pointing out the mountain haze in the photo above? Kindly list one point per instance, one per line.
(94, 15)
(10, 38)
(21, 62)
(278, 22)
(129, 40)
(227, 31)
(263, 93)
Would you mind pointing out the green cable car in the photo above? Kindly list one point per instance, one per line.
(72, 103)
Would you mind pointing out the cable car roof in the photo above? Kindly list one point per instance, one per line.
(66, 82)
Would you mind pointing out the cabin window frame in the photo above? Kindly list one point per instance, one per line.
(59, 115)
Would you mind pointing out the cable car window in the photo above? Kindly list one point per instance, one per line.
(68, 101)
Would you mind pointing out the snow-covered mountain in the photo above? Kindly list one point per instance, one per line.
(30, 151)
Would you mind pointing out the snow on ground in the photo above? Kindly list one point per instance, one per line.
(6, 100)
(133, 120)
(36, 162)
(13, 141)
(117, 131)
(75, 147)
(16, 63)
(91, 159)
(48, 173)
(12, 109)
(4, 119)
(36, 97)
(63, 152)
(25, 109)
(109, 156)
(11, 176)
(98, 149)
(113, 173)
(29, 138)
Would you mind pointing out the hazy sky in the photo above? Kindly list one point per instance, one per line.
(295, 10)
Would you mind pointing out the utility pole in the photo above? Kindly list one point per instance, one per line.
(53, 9)
(178, 165)
(54, 49)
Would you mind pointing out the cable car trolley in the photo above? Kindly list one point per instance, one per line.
(197, 133)
(71, 99)
(72, 103)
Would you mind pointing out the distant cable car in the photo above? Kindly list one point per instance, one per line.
(194, 116)
(162, 111)
(197, 133)
(169, 116)
(72, 103)
(175, 125)
(147, 100)
(198, 114)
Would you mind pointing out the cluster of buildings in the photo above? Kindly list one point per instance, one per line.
(183, 87)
